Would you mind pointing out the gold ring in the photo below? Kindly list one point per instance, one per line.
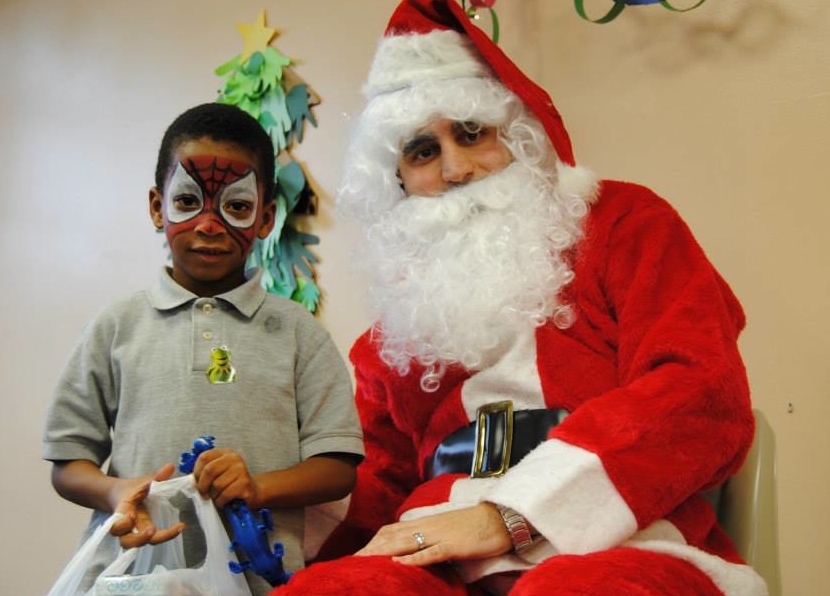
(419, 538)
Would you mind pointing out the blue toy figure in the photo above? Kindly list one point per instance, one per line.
(250, 535)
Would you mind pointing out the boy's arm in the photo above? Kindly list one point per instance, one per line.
(83, 483)
(223, 475)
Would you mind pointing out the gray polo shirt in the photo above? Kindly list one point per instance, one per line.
(135, 389)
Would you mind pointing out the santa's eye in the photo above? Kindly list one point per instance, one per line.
(425, 153)
(470, 138)
(470, 133)
(420, 150)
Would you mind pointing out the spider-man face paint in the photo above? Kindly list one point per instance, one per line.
(212, 194)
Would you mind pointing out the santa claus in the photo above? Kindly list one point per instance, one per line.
(553, 379)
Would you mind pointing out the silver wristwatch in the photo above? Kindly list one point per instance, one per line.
(517, 527)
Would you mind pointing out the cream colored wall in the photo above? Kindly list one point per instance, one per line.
(723, 110)
(88, 87)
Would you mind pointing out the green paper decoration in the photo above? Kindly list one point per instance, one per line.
(618, 6)
(472, 12)
(258, 86)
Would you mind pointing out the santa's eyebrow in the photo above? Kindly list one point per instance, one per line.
(467, 126)
(412, 145)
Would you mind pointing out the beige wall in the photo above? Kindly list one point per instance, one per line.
(723, 110)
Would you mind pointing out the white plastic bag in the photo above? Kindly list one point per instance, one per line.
(159, 570)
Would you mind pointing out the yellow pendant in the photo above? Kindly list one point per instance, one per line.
(221, 370)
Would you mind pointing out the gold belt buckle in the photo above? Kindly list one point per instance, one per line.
(500, 407)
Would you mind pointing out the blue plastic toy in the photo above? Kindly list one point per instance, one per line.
(250, 535)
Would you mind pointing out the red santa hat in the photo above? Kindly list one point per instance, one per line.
(417, 49)
(434, 62)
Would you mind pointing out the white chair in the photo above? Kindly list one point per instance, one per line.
(748, 508)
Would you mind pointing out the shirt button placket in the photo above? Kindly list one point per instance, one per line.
(204, 333)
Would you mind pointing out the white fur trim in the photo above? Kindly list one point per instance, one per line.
(566, 495)
(514, 376)
(404, 60)
(581, 515)
(576, 181)
(733, 579)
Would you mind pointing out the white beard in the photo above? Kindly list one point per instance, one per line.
(457, 277)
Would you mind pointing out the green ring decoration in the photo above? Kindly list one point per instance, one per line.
(613, 13)
(665, 4)
(619, 6)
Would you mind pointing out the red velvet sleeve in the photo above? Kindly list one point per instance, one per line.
(679, 420)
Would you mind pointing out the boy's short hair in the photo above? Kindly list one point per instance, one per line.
(224, 123)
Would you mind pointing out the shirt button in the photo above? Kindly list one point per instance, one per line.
(207, 334)
(207, 308)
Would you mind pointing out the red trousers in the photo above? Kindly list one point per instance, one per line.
(615, 572)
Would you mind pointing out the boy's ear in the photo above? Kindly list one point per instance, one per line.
(269, 213)
(156, 209)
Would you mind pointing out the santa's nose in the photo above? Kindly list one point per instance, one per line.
(456, 166)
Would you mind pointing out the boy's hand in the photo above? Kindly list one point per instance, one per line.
(137, 528)
(223, 475)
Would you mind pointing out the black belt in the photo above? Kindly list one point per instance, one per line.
(495, 441)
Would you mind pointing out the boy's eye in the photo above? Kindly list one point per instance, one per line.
(187, 203)
(238, 201)
(240, 213)
(238, 208)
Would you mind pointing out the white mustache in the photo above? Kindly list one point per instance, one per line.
(430, 217)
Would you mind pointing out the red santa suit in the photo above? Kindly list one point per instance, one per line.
(656, 390)
(649, 371)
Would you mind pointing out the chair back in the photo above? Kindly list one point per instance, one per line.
(748, 507)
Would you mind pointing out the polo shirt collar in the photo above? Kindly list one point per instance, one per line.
(247, 298)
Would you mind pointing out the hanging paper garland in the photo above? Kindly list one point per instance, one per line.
(619, 5)
(257, 81)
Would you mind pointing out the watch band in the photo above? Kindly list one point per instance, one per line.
(517, 527)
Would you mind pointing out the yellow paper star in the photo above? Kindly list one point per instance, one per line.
(255, 36)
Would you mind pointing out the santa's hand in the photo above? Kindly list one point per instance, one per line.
(473, 533)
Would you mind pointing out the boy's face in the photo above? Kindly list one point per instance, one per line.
(212, 211)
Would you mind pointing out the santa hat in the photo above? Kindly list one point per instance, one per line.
(418, 48)
(433, 61)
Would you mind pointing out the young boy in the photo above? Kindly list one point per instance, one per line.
(206, 351)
